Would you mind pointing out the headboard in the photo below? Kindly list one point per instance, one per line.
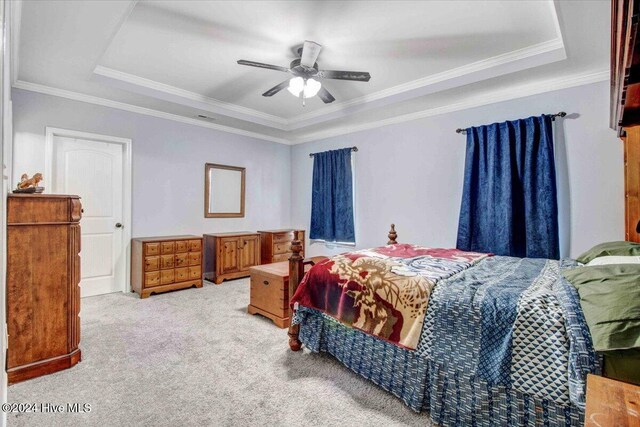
(625, 103)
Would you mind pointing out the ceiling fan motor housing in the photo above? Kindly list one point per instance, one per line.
(299, 70)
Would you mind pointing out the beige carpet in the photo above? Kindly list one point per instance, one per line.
(196, 358)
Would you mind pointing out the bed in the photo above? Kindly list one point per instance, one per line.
(473, 339)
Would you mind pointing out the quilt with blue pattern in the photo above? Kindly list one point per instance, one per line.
(509, 329)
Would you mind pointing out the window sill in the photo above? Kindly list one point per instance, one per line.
(333, 244)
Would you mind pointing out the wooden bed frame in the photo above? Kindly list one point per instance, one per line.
(296, 273)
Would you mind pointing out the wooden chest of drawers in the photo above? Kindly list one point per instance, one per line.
(270, 291)
(230, 255)
(275, 245)
(43, 292)
(160, 264)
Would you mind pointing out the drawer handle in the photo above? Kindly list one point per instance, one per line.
(266, 283)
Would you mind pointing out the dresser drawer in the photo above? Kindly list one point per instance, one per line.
(286, 236)
(194, 258)
(182, 246)
(151, 248)
(151, 263)
(195, 273)
(195, 245)
(282, 257)
(166, 277)
(182, 274)
(182, 260)
(167, 247)
(281, 248)
(152, 279)
(167, 261)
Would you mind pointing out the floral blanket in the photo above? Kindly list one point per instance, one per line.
(382, 291)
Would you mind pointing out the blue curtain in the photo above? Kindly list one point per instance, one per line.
(332, 197)
(509, 198)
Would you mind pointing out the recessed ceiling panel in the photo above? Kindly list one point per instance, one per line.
(194, 45)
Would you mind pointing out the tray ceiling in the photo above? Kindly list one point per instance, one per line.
(178, 58)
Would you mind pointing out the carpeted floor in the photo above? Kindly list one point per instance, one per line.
(195, 357)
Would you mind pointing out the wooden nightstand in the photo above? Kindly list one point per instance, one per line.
(270, 291)
(611, 403)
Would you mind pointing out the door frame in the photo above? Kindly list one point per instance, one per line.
(52, 132)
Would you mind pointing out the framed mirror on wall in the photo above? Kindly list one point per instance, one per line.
(223, 191)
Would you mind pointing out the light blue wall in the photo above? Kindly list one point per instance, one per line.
(411, 173)
(168, 164)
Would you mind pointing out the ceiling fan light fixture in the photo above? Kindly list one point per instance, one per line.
(298, 85)
(312, 88)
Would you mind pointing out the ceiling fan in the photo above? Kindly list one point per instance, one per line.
(305, 83)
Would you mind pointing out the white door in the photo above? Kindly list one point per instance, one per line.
(93, 170)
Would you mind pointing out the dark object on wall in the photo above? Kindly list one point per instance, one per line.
(230, 255)
(219, 201)
(275, 245)
(167, 263)
(509, 200)
(332, 197)
(43, 277)
(354, 149)
(625, 65)
(553, 118)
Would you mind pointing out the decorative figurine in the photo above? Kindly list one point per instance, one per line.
(29, 185)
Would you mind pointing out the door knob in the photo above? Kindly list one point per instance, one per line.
(118, 225)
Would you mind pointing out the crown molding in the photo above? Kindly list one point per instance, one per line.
(501, 95)
(184, 97)
(47, 90)
(528, 57)
(517, 60)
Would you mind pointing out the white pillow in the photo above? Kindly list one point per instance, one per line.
(606, 260)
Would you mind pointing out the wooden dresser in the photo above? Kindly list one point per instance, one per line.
(43, 277)
(230, 255)
(625, 103)
(275, 245)
(166, 263)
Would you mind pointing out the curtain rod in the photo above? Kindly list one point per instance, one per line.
(553, 117)
(352, 149)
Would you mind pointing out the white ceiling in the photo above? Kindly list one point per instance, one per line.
(177, 59)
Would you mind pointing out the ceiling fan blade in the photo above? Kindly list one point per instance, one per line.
(262, 65)
(276, 89)
(326, 97)
(310, 52)
(358, 76)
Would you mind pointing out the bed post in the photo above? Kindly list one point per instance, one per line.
(296, 272)
(392, 235)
